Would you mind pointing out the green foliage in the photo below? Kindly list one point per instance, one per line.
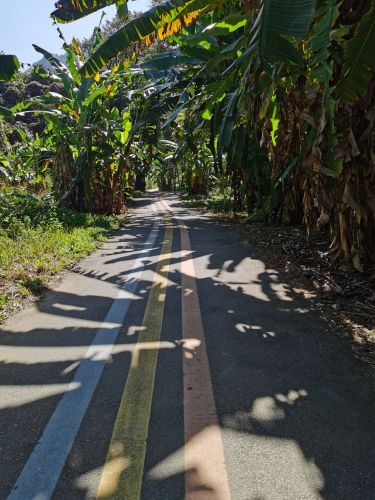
(164, 19)
(39, 239)
(277, 20)
(85, 137)
(359, 64)
(321, 38)
(9, 65)
(72, 10)
(219, 199)
(17, 210)
(192, 92)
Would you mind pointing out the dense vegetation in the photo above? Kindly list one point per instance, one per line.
(39, 239)
(270, 103)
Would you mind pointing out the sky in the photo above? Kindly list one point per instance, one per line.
(24, 22)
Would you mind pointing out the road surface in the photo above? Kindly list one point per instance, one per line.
(173, 363)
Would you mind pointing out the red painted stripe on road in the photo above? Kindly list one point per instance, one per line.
(205, 471)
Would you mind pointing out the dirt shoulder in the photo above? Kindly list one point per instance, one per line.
(346, 299)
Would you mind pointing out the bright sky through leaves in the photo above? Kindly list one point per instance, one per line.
(28, 21)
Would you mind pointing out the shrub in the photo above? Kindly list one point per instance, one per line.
(17, 210)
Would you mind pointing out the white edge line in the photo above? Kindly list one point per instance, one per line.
(42, 470)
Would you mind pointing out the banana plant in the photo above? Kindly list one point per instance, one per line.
(272, 96)
(87, 134)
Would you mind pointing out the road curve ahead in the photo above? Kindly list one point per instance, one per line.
(174, 364)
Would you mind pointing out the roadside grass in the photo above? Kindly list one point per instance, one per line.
(217, 201)
(30, 254)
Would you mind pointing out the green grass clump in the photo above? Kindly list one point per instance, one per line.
(217, 201)
(38, 239)
(19, 209)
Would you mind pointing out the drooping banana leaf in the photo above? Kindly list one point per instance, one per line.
(320, 40)
(153, 114)
(71, 10)
(276, 23)
(219, 94)
(227, 26)
(61, 70)
(169, 60)
(228, 122)
(47, 99)
(49, 104)
(5, 112)
(237, 146)
(183, 102)
(9, 66)
(163, 20)
(54, 61)
(359, 61)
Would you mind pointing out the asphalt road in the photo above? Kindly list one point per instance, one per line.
(171, 364)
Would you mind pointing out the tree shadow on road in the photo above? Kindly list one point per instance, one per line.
(295, 407)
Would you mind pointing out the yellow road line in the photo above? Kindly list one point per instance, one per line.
(205, 470)
(123, 470)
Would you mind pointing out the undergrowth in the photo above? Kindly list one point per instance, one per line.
(39, 239)
(217, 201)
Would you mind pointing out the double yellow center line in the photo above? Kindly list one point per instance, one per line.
(204, 463)
(123, 470)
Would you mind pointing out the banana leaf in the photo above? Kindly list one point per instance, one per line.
(164, 20)
(169, 60)
(72, 10)
(279, 21)
(9, 66)
(359, 61)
